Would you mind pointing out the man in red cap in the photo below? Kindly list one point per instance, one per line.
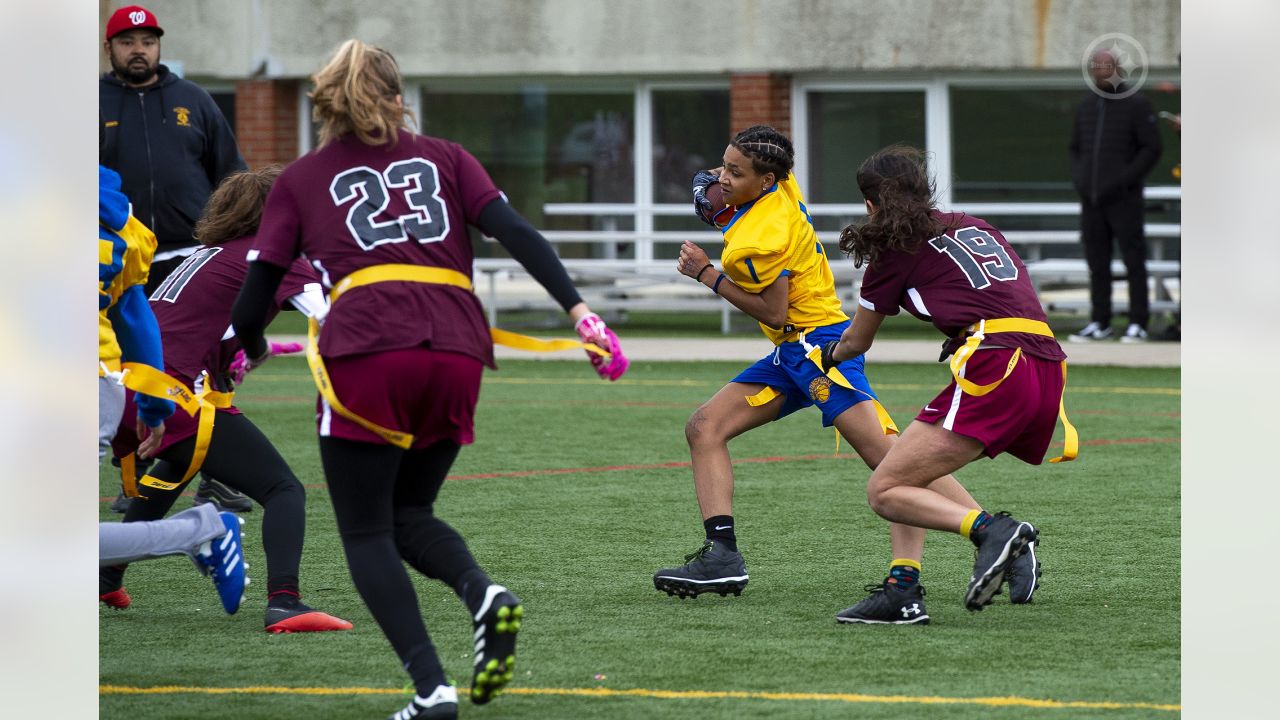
(171, 146)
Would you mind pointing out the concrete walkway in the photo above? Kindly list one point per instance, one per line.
(1150, 354)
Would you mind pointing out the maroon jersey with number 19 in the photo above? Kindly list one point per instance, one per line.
(967, 274)
(350, 205)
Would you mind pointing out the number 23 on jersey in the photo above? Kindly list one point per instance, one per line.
(416, 180)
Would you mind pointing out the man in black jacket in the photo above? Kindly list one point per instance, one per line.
(1114, 144)
(171, 146)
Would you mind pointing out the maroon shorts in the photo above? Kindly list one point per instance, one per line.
(431, 394)
(1018, 417)
(177, 427)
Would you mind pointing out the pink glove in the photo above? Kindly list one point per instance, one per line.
(240, 365)
(591, 329)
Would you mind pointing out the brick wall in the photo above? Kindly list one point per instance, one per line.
(267, 121)
(760, 99)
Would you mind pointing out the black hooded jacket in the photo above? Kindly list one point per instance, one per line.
(171, 146)
(1114, 144)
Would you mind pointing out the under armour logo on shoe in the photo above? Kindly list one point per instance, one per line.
(915, 608)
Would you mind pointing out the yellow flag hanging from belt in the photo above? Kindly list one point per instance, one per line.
(982, 328)
(418, 274)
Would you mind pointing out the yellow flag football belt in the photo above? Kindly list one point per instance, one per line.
(428, 276)
(814, 354)
(203, 405)
(982, 328)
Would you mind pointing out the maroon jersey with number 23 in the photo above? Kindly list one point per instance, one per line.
(350, 205)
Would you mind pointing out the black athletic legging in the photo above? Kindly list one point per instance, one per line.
(243, 458)
(382, 499)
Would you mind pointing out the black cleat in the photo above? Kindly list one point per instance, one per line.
(711, 569)
(1024, 574)
(442, 705)
(121, 503)
(888, 605)
(999, 544)
(222, 497)
(496, 623)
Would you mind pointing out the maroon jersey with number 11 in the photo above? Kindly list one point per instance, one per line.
(193, 306)
(967, 274)
(350, 205)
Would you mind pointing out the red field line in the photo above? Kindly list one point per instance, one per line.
(739, 461)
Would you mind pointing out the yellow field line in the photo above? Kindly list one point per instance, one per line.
(660, 694)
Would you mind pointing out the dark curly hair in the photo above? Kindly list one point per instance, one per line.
(770, 151)
(896, 182)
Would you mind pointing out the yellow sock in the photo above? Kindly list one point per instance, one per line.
(905, 561)
(966, 525)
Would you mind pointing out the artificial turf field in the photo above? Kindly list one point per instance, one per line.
(576, 490)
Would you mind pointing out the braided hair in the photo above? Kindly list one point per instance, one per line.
(895, 180)
(770, 151)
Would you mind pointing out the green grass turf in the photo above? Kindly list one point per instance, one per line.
(580, 548)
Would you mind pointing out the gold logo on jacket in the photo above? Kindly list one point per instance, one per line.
(184, 116)
(820, 389)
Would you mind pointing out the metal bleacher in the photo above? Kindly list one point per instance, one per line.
(646, 282)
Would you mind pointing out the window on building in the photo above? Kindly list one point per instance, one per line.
(845, 127)
(543, 146)
(546, 145)
(1010, 144)
(690, 132)
(226, 102)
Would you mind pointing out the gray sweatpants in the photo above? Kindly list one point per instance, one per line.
(120, 543)
(110, 409)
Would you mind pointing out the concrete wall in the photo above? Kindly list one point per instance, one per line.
(292, 38)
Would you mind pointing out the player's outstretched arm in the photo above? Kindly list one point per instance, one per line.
(498, 220)
(855, 340)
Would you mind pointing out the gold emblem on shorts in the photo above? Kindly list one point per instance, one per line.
(820, 389)
(184, 116)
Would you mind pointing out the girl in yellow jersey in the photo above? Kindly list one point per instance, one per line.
(775, 270)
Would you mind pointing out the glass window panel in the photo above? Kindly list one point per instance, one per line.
(1166, 97)
(1010, 145)
(690, 132)
(226, 102)
(846, 127)
(543, 146)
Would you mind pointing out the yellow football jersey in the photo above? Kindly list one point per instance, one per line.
(773, 236)
(124, 260)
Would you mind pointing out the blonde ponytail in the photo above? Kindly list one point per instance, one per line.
(356, 93)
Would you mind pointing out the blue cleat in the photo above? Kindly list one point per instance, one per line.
(223, 559)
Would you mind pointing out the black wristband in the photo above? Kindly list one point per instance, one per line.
(698, 277)
(716, 288)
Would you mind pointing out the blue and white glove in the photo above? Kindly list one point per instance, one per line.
(701, 205)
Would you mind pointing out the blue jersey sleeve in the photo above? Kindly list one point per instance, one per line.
(139, 337)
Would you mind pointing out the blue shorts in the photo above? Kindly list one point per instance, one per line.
(801, 381)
